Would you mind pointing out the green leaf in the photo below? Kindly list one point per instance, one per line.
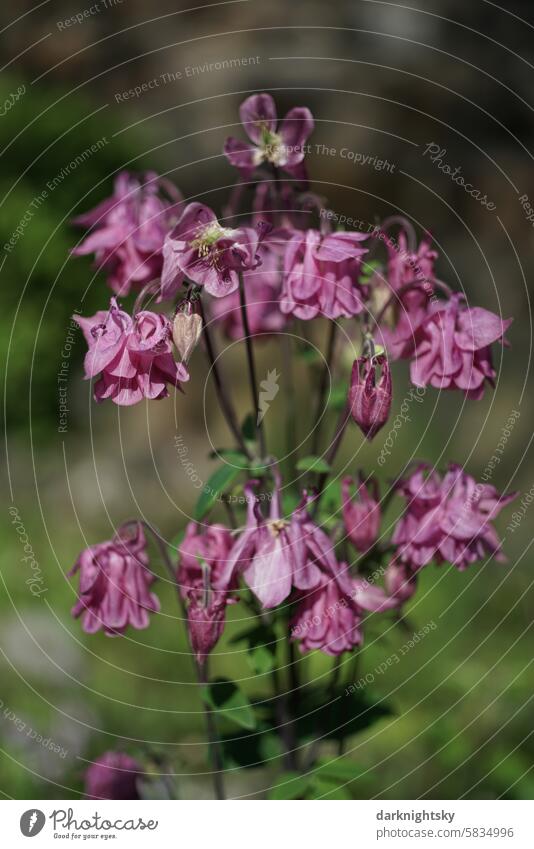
(322, 788)
(261, 651)
(230, 702)
(250, 751)
(248, 428)
(258, 471)
(368, 269)
(309, 354)
(232, 457)
(291, 785)
(176, 542)
(313, 464)
(338, 396)
(261, 659)
(341, 769)
(217, 483)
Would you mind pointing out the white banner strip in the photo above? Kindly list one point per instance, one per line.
(358, 824)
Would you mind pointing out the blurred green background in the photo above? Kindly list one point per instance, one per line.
(381, 80)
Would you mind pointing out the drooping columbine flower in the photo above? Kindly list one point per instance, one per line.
(275, 554)
(451, 348)
(115, 584)
(326, 619)
(361, 516)
(208, 544)
(209, 254)
(329, 617)
(370, 401)
(132, 356)
(447, 519)
(113, 776)
(283, 146)
(321, 275)
(410, 285)
(205, 583)
(128, 230)
(263, 286)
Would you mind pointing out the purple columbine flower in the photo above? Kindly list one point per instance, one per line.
(210, 255)
(329, 617)
(133, 356)
(275, 554)
(406, 268)
(321, 275)
(208, 544)
(447, 519)
(361, 515)
(451, 347)
(128, 231)
(115, 584)
(206, 584)
(263, 287)
(283, 146)
(113, 776)
(369, 399)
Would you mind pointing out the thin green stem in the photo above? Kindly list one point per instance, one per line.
(331, 453)
(200, 668)
(251, 368)
(326, 372)
(213, 737)
(224, 400)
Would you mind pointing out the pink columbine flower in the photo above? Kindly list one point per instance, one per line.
(452, 347)
(369, 399)
(133, 356)
(275, 554)
(411, 282)
(115, 584)
(204, 544)
(113, 776)
(447, 519)
(283, 146)
(329, 617)
(321, 275)
(128, 230)
(205, 583)
(361, 516)
(263, 287)
(210, 255)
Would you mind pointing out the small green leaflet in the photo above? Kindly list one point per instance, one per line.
(230, 702)
(217, 483)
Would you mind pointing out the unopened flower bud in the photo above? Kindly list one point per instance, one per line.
(186, 330)
(205, 624)
(370, 401)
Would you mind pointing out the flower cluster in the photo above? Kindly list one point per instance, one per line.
(267, 262)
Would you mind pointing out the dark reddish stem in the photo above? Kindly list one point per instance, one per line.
(251, 367)
(224, 400)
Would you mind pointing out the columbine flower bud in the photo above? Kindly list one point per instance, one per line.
(205, 624)
(370, 402)
(186, 330)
